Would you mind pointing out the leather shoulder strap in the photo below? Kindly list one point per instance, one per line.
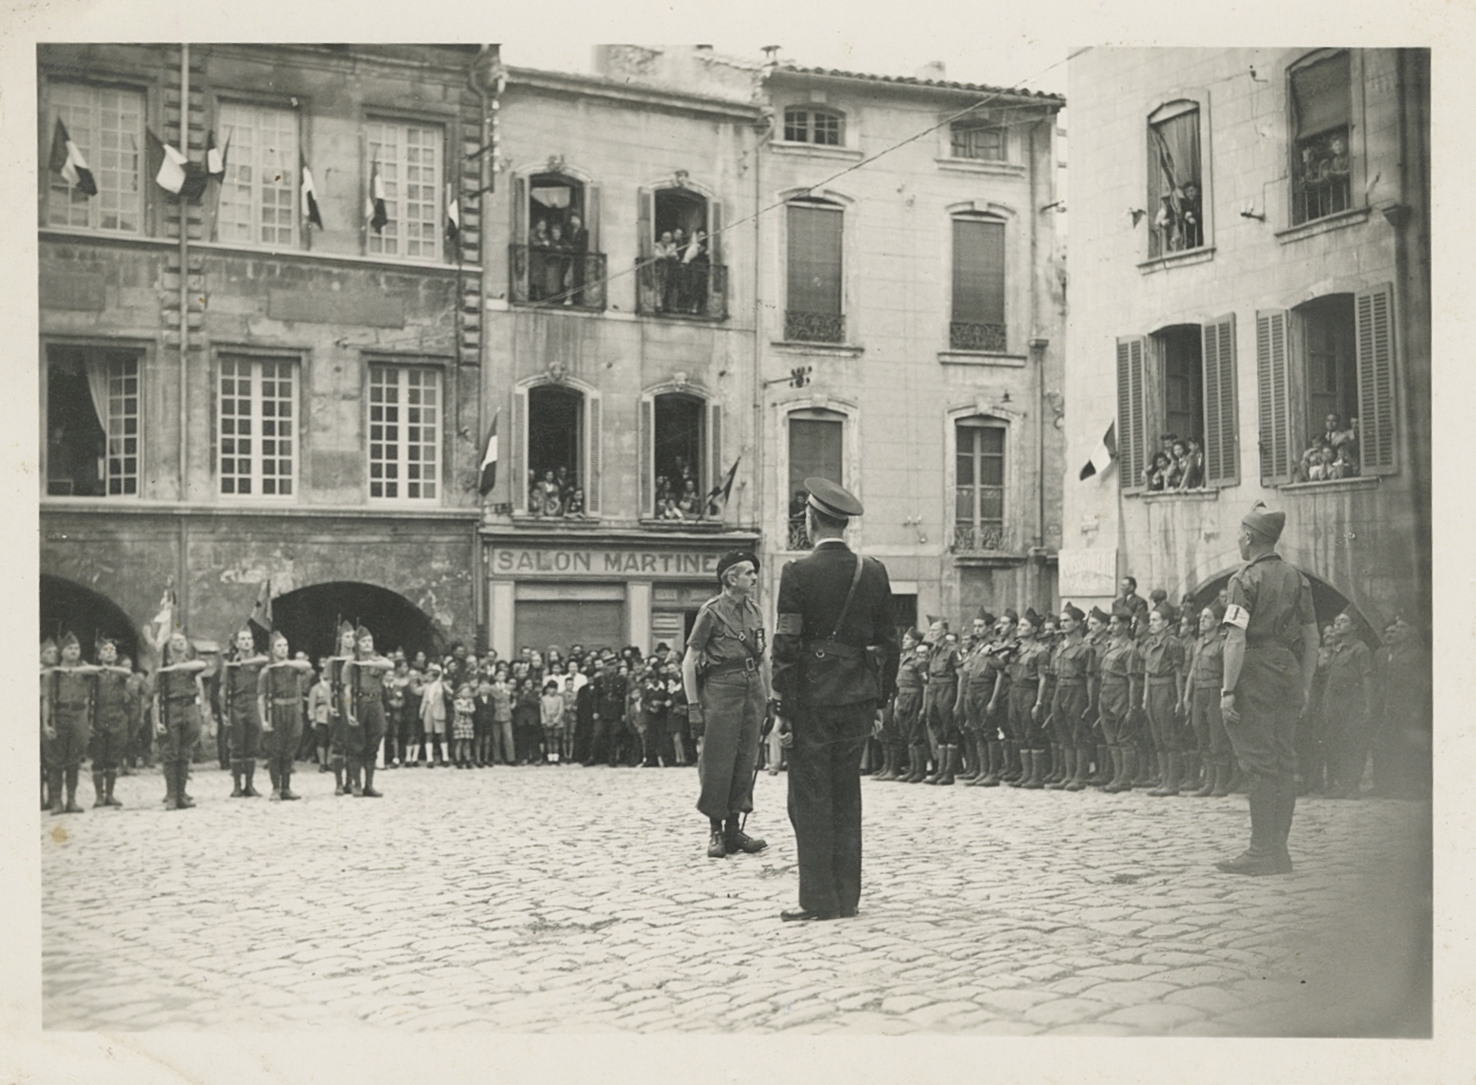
(850, 595)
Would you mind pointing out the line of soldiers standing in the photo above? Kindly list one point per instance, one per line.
(1131, 699)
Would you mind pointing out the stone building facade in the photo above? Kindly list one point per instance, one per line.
(233, 395)
(1253, 256)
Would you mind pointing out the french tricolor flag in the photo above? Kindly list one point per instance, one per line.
(67, 160)
(489, 460)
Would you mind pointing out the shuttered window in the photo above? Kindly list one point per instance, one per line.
(1374, 315)
(1132, 412)
(978, 285)
(1273, 396)
(1221, 453)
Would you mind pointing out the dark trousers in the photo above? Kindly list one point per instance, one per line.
(825, 803)
(908, 715)
(73, 735)
(181, 731)
(109, 742)
(282, 740)
(1024, 727)
(938, 710)
(1268, 697)
(244, 734)
(1209, 725)
(1115, 703)
(1067, 726)
(362, 742)
(733, 708)
(1162, 696)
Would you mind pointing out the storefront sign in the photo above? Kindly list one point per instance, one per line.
(603, 564)
(1087, 573)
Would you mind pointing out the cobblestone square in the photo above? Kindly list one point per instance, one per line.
(575, 900)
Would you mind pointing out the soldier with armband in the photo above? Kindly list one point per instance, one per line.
(1270, 660)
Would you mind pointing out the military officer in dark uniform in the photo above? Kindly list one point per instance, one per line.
(1270, 660)
(726, 679)
(835, 663)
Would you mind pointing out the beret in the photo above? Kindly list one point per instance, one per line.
(733, 557)
(1263, 520)
(832, 499)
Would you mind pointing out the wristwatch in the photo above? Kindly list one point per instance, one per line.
(1227, 693)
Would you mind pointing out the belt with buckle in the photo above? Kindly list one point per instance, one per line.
(732, 666)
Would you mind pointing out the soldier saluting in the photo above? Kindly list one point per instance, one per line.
(835, 663)
(1270, 660)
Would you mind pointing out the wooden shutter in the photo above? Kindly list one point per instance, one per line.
(1374, 319)
(1221, 451)
(648, 297)
(1273, 396)
(520, 211)
(978, 271)
(646, 464)
(593, 456)
(814, 259)
(717, 469)
(517, 443)
(717, 280)
(592, 216)
(1132, 413)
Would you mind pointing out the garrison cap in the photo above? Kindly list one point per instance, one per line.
(1011, 614)
(48, 643)
(278, 635)
(985, 617)
(832, 499)
(1263, 520)
(1101, 615)
(732, 558)
(1165, 610)
(69, 640)
(1032, 617)
(1122, 611)
(103, 638)
(362, 632)
(1073, 612)
(344, 627)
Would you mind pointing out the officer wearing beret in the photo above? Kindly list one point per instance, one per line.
(835, 663)
(726, 679)
(1270, 661)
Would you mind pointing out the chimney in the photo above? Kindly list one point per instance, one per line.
(933, 70)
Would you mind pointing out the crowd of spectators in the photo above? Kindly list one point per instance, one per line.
(1177, 465)
(558, 243)
(556, 493)
(682, 266)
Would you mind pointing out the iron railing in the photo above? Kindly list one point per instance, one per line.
(977, 537)
(672, 288)
(801, 327)
(964, 335)
(553, 277)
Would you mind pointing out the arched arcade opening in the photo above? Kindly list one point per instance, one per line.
(307, 618)
(66, 605)
(1327, 602)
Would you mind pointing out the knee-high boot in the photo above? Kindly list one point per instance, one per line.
(1211, 774)
(1058, 781)
(1129, 768)
(1036, 780)
(182, 799)
(355, 769)
(919, 769)
(1078, 781)
(1112, 786)
(97, 787)
(109, 779)
(368, 790)
(993, 754)
(276, 795)
(248, 768)
(1106, 767)
(1262, 857)
(1222, 780)
(238, 770)
(73, 772)
(54, 784)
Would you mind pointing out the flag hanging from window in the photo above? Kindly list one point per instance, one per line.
(453, 213)
(170, 175)
(717, 497)
(374, 209)
(215, 157)
(261, 611)
(489, 460)
(310, 213)
(163, 624)
(67, 160)
(1103, 455)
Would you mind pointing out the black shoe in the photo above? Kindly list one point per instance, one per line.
(1255, 865)
(717, 847)
(737, 840)
(804, 915)
(369, 793)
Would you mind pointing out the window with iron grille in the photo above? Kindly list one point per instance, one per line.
(973, 139)
(408, 158)
(1321, 108)
(817, 126)
(978, 285)
(258, 197)
(92, 422)
(404, 432)
(107, 125)
(978, 521)
(256, 427)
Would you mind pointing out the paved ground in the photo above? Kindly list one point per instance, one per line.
(580, 900)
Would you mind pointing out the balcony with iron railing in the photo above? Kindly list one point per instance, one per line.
(797, 538)
(556, 278)
(971, 538)
(802, 327)
(672, 288)
(965, 335)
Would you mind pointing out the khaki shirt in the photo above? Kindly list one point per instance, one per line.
(726, 629)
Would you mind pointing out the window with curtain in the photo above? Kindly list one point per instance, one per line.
(978, 522)
(1321, 105)
(92, 423)
(1175, 184)
(408, 158)
(404, 432)
(258, 197)
(107, 125)
(978, 285)
(977, 140)
(813, 307)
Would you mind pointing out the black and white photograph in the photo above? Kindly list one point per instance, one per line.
(908, 551)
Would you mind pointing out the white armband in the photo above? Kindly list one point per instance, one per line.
(1237, 616)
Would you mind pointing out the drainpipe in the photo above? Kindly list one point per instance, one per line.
(184, 338)
(1037, 557)
(478, 77)
(758, 377)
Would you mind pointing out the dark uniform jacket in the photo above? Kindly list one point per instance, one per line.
(809, 670)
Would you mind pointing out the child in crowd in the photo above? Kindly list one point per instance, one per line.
(551, 710)
(464, 727)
